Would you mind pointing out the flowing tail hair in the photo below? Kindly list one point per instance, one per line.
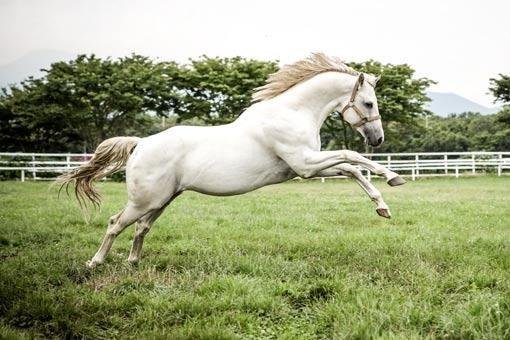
(110, 156)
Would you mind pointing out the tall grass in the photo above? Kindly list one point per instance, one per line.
(296, 260)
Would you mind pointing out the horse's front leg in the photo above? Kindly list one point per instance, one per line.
(351, 171)
(307, 163)
(392, 178)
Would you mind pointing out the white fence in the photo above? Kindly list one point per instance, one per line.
(46, 166)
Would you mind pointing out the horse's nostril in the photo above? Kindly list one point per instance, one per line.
(379, 141)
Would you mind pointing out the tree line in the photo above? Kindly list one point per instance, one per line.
(77, 104)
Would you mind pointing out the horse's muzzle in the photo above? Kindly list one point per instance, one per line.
(373, 137)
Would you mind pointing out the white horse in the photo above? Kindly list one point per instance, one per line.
(273, 140)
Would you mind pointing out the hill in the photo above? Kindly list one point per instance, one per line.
(30, 65)
(443, 104)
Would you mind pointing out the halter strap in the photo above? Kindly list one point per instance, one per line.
(351, 105)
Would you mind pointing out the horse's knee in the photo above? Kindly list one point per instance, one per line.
(142, 228)
(113, 232)
(306, 173)
(141, 232)
(114, 218)
(115, 228)
(351, 155)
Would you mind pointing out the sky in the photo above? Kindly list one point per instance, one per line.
(459, 44)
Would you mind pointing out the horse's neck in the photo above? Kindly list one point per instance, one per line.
(319, 96)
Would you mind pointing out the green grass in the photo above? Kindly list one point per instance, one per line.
(296, 260)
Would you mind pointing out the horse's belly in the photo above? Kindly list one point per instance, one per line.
(232, 175)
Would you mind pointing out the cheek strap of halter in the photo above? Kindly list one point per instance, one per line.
(351, 105)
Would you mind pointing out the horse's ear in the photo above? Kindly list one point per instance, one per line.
(361, 79)
(377, 79)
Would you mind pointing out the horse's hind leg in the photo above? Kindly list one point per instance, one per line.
(117, 223)
(142, 228)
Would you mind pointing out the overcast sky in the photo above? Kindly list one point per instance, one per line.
(460, 44)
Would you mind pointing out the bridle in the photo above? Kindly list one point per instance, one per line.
(351, 105)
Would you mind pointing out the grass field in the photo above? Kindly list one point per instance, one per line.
(296, 260)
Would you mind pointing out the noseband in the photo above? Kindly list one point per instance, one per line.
(351, 105)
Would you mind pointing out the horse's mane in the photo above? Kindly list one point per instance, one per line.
(292, 74)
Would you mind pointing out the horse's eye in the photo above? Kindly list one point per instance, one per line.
(369, 105)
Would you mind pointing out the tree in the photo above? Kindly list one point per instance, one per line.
(468, 131)
(503, 116)
(79, 103)
(401, 99)
(217, 90)
(500, 88)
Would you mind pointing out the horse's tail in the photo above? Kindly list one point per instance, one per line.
(110, 156)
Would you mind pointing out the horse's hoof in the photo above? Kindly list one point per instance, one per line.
(383, 212)
(91, 264)
(133, 262)
(396, 181)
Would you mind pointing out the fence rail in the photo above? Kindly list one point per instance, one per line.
(46, 166)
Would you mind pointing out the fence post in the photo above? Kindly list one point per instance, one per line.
(413, 174)
(456, 171)
(322, 179)
(33, 168)
(23, 175)
(369, 175)
(389, 161)
(473, 167)
(445, 164)
(500, 163)
(417, 164)
(68, 161)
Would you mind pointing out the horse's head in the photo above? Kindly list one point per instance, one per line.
(361, 110)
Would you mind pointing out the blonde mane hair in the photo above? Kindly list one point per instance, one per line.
(292, 74)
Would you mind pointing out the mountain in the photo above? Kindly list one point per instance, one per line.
(443, 104)
(30, 65)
